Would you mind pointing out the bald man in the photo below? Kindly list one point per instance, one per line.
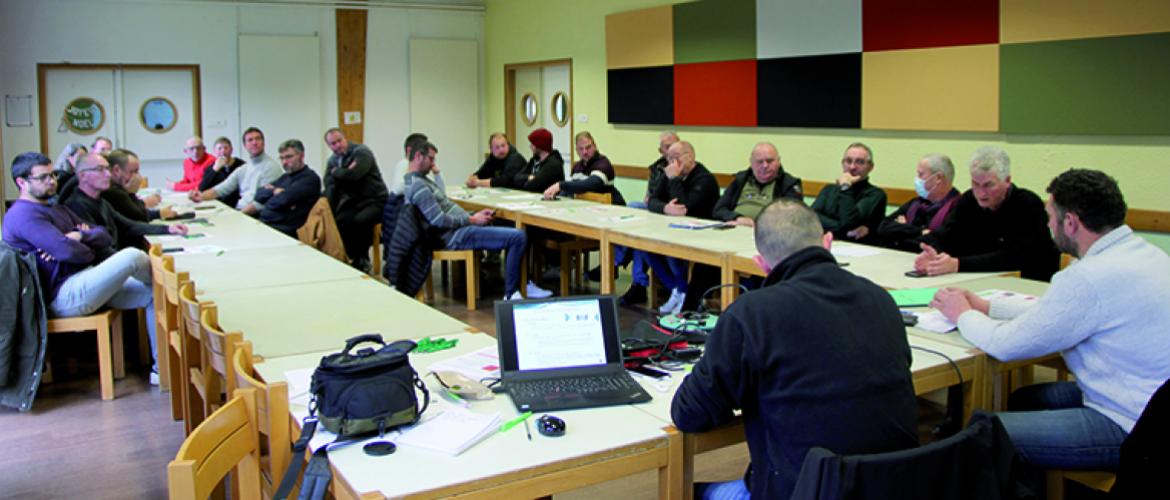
(197, 160)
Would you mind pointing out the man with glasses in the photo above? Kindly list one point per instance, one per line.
(194, 164)
(852, 208)
(79, 271)
(288, 200)
(93, 179)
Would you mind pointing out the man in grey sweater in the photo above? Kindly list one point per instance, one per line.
(260, 170)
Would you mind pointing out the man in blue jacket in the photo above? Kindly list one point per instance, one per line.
(816, 357)
(288, 200)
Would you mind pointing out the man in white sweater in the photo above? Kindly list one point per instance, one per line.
(1107, 316)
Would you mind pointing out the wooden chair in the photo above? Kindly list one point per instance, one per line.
(107, 325)
(1097, 480)
(572, 251)
(272, 418)
(202, 388)
(159, 262)
(171, 338)
(218, 348)
(376, 261)
(227, 440)
(471, 260)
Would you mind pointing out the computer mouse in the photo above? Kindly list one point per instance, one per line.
(550, 426)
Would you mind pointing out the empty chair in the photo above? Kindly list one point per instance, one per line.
(272, 417)
(224, 442)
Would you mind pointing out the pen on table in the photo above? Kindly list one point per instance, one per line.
(512, 423)
(527, 429)
(456, 399)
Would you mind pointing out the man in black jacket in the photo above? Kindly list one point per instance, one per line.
(817, 357)
(124, 167)
(219, 170)
(640, 279)
(356, 193)
(593, 173)
(852, 207)
(996, 227)
(288, 200)
(93, 178)
(501, 165)
(756, 187)
(546, 167)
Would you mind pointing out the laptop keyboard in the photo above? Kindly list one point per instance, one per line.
(539, 389)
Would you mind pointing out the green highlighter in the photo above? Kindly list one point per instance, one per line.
(512, 423)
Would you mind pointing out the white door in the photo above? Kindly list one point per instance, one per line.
(444, 102)
(66, 124)
(528, 84)
(280, 93)
(154, 100)
(555, 79)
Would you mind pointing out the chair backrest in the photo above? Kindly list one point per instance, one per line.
(158, 264)
(603, 198)
(272, 415)
(226, 440)
(1144, 455)
(218, 346)
(191, 311)
(978, 462)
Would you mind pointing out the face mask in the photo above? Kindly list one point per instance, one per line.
(920, 187)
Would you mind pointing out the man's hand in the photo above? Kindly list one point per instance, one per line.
(178, 229)
(472, 181)
(152, 200)
(858, 233)
(552, 191)
(673, 169)
(928, 254)
(744, 221)
(846, 180)
(674, 208)
(74, 235)
(45, 255)
(951, 302)
(134, 184)
(943, 264)
(277, 191)
(220, 162)
(167, 213)
(352, 165)
(250, 209)
(482, 217)
(901, 219)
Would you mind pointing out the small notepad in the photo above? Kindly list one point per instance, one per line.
(452, 432)
(913, 297)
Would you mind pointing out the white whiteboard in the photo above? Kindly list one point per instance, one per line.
(280, 93)
(444, 102)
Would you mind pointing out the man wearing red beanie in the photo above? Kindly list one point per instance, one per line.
(546, 166)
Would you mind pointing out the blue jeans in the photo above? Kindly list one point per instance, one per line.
(122, 281)
(639, 259)
(497, 238)
(1051, 428)
(727, 490)
(671, 271)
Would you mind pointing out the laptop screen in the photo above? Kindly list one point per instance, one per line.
(558, 333)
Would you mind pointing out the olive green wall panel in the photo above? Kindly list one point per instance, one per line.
(710, 31)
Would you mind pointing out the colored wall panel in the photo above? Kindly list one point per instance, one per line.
(953, 88)
(641, 95)
(913, 24)
(718, 93)
(1041, 20)
(1118, 85)
(814, 91)
(640, 38)
(714, 30)
(787, 28)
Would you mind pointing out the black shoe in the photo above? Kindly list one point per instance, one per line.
(553, 273)
(635, 295)
(594, 274)
(362, 265)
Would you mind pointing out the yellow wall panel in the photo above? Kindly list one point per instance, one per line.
(1041, 20)
(952, 88)
(640, 38)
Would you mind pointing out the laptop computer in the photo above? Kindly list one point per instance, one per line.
(563, 352)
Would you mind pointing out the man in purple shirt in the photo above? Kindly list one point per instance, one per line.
(79, 270)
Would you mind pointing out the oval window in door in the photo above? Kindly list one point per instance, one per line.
(560, 109)
(530, 108)
(158, 115)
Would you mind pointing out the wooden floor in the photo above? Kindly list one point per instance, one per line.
(73, 445)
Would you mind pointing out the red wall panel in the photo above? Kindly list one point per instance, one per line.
(915, 24)
(715, 93)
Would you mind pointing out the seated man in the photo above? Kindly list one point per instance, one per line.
(756, 187)
(287, 201)
(87, 203)
(124, 167)
(79, 270)
(593, 173)
(546, 166)
(996, 226)
(402, 168)
(817, 357)
(101, 145)
(194, 164)
(689, 190)
(464, 231)
(937, 197)
(219, 171)
(501, 165)
(639, 278)
(1105, 314)
(356, 193)
(260, 170)
(852, 208)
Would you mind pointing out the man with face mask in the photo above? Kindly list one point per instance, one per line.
(937, 196)
(1105, 314)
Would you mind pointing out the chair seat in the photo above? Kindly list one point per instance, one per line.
(471, 260)
(108, 326)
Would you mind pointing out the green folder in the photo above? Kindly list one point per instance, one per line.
(913, 297)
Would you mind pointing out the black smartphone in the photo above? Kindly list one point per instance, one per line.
(914, 273)
(172, 250)
(649, 372)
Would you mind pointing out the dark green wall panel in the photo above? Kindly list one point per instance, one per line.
(1116, 85)
(714, 30)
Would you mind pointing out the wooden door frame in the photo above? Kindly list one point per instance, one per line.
(44, 68)
(510, 99)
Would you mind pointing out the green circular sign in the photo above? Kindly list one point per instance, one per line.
(84, 115)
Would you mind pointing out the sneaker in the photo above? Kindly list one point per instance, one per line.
(674, 305)
(535, 292)
(153, 378)
(635, 295)
(513, 296)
